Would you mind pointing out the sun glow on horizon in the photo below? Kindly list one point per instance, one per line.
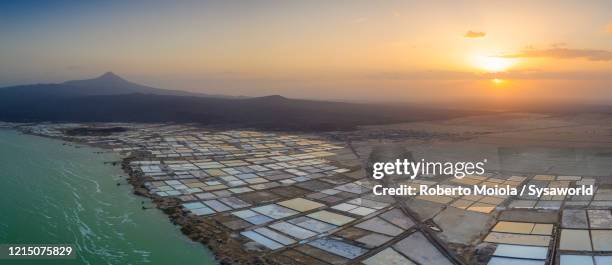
(492, 64)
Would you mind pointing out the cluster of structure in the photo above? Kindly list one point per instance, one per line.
(308, 200)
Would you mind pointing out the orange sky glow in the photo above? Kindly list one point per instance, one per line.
(339, 50)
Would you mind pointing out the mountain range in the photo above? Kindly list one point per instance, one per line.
(110, 98)
(106, 84)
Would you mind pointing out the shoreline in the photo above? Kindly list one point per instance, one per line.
(226, 248)
(72, 187)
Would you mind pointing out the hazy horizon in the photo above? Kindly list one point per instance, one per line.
(343, 50)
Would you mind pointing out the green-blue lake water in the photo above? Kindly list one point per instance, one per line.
(52, 193)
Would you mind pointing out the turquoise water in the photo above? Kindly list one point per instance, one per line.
(58, 194)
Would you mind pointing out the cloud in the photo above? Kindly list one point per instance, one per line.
(564, 53)
(475, 34)
(443, 75)
(553, 75)
(609, 28)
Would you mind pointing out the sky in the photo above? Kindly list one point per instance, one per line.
(400, 51)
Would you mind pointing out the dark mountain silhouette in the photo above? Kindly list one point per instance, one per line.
(106, 84)
(111, 84)
(109, 98)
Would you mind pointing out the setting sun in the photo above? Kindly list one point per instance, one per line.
(493, 64)
(497, 81)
